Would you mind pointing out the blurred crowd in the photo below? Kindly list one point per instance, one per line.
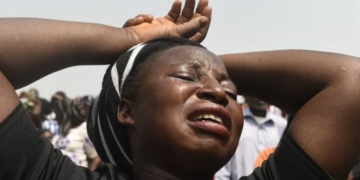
(63, 121)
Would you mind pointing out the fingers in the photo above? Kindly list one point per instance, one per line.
(200, 36)
(202, 10)
(192, 27)
(207, 12)
(188, 11)
(175, 11)
(201, 5)
(139, 19)
(148, 18)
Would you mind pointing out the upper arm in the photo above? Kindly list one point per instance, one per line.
(327, 126)
(8, 98)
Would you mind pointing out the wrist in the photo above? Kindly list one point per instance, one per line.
(132, 35)
(110, 43)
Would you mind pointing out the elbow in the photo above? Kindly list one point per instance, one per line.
(351, 72)
(346, 70)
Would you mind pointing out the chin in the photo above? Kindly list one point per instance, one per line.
(212, 149)
(211, 154)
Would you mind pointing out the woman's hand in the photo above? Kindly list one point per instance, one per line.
(189, 24)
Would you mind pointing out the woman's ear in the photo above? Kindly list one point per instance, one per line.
(125, 111)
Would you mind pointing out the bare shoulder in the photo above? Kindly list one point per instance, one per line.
(8, 97)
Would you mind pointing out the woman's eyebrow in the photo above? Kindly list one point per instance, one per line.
(224, 76)
(195, 65)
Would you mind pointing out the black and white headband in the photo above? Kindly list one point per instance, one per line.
(115, 75)
(97, 121)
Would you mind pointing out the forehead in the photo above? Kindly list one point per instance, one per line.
(193, 55)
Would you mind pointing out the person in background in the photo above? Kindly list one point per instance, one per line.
(261, 133)
(72, 138)
(41, 106)
(277, 111)
(51, 125)
(38, 108)
(32, 106)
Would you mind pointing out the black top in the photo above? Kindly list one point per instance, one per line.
(24, 154)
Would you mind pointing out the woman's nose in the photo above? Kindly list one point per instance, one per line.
(213, 91)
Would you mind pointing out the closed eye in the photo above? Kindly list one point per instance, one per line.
(185, 76)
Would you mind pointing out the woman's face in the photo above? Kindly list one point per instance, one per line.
(186, 115)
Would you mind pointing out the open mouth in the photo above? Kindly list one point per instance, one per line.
(211, 119)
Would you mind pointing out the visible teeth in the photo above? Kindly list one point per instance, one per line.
(209, 116)
(218, 119)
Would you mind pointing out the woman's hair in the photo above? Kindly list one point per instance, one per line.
(122, 80)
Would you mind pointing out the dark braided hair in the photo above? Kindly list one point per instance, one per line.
(122, 80)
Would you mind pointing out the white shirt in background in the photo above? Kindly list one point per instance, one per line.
(76, 145)
(259, 133)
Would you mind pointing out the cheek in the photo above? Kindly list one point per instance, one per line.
(238, 121)
(237, 124)
(160, 110)
(166, 95)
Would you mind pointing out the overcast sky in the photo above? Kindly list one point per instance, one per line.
(237, 26)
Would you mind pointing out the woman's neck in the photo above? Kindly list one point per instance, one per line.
(143, 170)
(146, 171)
(259, 113)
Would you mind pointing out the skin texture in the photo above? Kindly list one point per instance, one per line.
(191, 77)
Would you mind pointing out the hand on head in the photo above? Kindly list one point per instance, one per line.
(183, 23)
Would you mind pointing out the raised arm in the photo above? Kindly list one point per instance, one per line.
(33, 48)
(321, 89)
